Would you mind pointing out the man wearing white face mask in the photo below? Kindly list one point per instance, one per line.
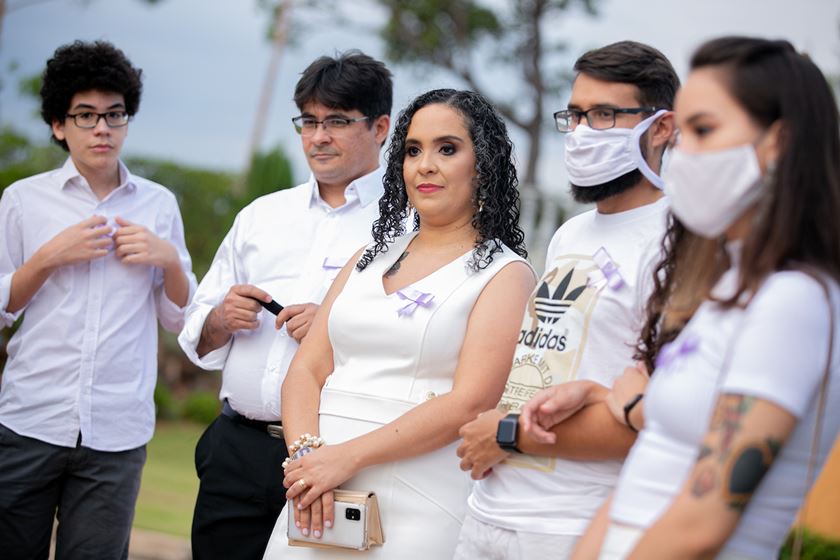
(534, 500)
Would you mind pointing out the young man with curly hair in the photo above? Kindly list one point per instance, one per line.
(92, 257)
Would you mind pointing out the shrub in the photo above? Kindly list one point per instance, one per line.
(814, 547)
(202, 407)
(166, 407)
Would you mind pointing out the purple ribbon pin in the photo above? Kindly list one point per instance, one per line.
(415, 298)
(333, 265)
(608, 268)
(675, 349)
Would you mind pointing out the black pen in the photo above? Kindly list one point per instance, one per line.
(272, 306)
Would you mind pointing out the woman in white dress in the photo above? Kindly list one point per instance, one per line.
(744, 405)
(414, 338)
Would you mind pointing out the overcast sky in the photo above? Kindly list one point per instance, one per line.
(204, 61)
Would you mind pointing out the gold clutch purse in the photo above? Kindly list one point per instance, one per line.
(357, 523)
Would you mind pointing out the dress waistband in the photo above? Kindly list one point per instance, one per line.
(361, 406)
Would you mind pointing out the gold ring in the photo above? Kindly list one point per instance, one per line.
(301, 483)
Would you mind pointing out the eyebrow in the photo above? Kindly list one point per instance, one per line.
(574, 107)
(329, 116)
(698, 116)
(439, 139)
(89, 106)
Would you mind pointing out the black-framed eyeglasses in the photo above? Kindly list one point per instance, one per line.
(89, 119)
(306, 126)
(598, 118)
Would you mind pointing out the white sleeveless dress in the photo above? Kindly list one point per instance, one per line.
(390, 355)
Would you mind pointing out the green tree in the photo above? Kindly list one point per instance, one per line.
(268, 172)
(454, 34)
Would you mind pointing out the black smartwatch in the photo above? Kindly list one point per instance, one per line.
(506, 433)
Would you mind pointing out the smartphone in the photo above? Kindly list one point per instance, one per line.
(271, 306)
(347, 531)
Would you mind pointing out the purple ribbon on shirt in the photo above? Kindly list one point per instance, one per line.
(415, 298)
(332, 265)
(333, 262)
(608, 269)
(675, 349)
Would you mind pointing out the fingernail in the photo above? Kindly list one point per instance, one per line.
(300, 506)
(305, 532)
(297, 524)
(328, 524)
(317, 534)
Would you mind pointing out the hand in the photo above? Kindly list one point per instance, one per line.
(82, 242)
(298, 319)
(135, 244)
(322, 471)
(315, 517)
(551, 406)
(633, 381)
(479, 451)
(238, 311)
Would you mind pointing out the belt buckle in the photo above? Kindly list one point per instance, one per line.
(275, 431)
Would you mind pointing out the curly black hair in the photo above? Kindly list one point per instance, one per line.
(80, 67)
(496, 196)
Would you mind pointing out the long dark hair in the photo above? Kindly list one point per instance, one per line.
(679, 287)
(496, 194)
(797, 219)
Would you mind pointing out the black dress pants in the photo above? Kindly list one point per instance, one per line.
(240, 493)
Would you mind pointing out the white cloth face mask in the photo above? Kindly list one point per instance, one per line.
(708, 191)
(594, 157)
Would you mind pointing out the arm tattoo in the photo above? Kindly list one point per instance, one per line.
(746, 470)
(396, 266)
(736, 471)
(728, 421)
(704, 481)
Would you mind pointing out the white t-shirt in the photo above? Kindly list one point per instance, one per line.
(779, 353)
(582, 322)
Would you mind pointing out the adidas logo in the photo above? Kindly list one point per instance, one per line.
(551, 306)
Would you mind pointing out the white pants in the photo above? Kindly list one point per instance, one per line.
(622, 539)
(619, 542)
(488, 542)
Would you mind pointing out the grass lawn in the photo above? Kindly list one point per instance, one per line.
(168, 490)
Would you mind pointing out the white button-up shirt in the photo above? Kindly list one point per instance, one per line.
(291, 244)
(85, 356)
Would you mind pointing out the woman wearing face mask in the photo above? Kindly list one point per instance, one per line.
(749, 392)
(415, 337)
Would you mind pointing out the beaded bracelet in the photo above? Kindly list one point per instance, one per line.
(306, 440)
(297, 455)
(304, 445)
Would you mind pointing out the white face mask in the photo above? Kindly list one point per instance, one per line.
(594, 157)
(708, 191)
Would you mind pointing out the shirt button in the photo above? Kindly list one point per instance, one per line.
(430, 395)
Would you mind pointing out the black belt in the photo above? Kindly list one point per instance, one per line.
(274, 429)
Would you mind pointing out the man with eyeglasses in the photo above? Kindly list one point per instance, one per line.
(533, 500)
(92, 257)
(287, 246)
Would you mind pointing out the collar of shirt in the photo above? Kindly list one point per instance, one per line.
(68, 174)
(366, 189)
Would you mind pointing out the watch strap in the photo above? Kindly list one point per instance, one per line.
(628, 408)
